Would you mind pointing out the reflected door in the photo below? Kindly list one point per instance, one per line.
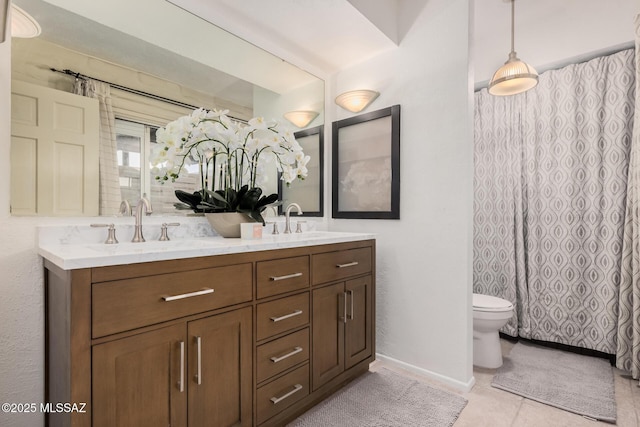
(54, 152)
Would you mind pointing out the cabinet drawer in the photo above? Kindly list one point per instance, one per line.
(282, 275)
(339, 265)
(282, 315)
(281, 354)
(128, 304)
(282, 393)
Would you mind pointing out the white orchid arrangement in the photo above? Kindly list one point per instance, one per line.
(231, 157)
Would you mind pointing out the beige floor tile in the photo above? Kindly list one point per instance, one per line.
(489, 407)
(626, 405)
(483, 376)
(535, 414)
(635, 396)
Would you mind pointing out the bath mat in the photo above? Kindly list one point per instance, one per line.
(573, 382)
(385, 398)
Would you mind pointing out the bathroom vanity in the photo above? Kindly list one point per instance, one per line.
(209, 332)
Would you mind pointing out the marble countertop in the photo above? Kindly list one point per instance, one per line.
(70, 255)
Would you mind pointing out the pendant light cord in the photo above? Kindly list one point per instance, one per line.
(513, 25)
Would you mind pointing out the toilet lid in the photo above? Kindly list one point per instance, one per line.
(490, 303)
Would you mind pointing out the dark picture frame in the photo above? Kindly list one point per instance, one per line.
(309, 193)
(366, 165)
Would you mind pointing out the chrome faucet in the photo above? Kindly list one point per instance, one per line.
(125, 208)
(287, 216)
(143, 205)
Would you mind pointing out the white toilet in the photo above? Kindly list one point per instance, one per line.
(489, 315)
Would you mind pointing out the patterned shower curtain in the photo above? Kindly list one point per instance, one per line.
(549, 208)
(110, 195)
(628, 344)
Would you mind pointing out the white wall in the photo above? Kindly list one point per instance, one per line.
(21, 290)
(424, 259)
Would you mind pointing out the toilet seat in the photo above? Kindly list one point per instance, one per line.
(488, 303)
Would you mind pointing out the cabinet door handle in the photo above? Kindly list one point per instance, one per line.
(181, 366)
(286, 316)
(296, 388)
(350, 293)
(349, 264)
(189, 295)
(344, 306)
(296, 350)
(199, 351)
(288, 276)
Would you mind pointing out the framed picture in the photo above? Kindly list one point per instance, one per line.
(366, 165)
(308, 193)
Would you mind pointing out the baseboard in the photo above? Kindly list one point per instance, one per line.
(458, 385)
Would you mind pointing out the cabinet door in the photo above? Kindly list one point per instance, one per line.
(220, 365)
(359, 320)
(136, 380)
(328, 333)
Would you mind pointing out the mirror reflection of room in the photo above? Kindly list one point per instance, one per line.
(139, 81)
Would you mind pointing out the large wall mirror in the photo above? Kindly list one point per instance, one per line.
(173, 61)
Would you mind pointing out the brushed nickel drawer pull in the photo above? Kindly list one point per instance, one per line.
(286, 316)
(296, 388)
(199, 350)
(181, 366)
(350, 316)
(189, 295)
(344, 301)
(349, 264)
(296, 350)
(288, 276)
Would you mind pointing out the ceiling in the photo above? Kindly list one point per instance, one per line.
(329, 35)
(325, 36)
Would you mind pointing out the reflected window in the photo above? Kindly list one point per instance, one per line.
(136, 144)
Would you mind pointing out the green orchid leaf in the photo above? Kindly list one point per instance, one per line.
(191, 199)
(265, 201)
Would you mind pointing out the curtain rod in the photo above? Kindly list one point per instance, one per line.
(125, 88)
(134, 91)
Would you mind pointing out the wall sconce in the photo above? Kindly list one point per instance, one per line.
(4, 13)
(23, 25)
(301, 118)
(356, 100)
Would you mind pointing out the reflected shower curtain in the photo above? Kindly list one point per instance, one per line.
(550, 191)
(110, 195)
(628, 343)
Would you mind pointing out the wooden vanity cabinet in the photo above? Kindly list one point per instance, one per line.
(136, 380)
(342, 321)
(227, 340)
(153, 378)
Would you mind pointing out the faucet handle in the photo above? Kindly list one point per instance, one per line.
(275, 227)
(111, 238)
(125, 208)
(163, 231)
(299, 226)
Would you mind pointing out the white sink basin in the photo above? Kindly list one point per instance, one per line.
(155, 246)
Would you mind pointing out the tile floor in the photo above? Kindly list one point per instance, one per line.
(491, 407)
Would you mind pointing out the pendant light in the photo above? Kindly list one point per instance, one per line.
(515, 76)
